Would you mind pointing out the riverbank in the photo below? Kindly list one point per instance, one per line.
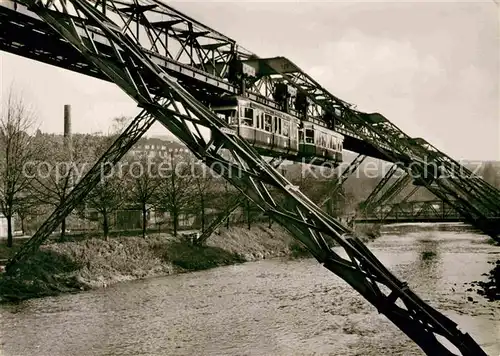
(72, 266)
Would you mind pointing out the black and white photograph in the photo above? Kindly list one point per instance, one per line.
(249, 178)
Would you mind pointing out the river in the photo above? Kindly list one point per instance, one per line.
(270, 307)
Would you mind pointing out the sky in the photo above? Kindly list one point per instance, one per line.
(430, 68)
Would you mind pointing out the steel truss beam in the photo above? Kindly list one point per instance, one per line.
(234, 204)
(201, 58)
(135, 73)
(473, 198)
(343, 176)
(369, 207)
(382, 210)
(378, 188)
(388, 195)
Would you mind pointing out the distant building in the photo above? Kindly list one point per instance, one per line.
(157, 148)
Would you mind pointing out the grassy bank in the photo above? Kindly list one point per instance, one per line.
(81, 264)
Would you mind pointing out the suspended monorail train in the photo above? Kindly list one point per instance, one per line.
(275, 133)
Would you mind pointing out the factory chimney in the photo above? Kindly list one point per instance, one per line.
(68, 144)
(67, 120)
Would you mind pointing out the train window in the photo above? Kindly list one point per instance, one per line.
(228, 115)
(248, 113)
(309, 136)
(285, 128)
(268, 123)
(247, 118)
(323, 140)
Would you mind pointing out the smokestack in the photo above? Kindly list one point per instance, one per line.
(67, 121)
(68, 141)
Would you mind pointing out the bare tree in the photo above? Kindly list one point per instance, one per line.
(106, 198)
(28, 210)
(176, 193)
(204, 181)
(119, 124)
(225, 197)
(110, 193)
(63, 169)
(144, 182)
(16, 151)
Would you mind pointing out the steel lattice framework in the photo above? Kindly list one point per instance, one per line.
(380, 196)
(206, 63)
(476, 200)
(107, 40)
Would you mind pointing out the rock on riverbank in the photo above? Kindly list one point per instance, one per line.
(490, 288)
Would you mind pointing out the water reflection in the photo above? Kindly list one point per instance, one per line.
(427, 265)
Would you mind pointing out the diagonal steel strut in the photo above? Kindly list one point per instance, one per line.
(393, 190)
(234, 204)
(344, 175)
(380, 186)
(101, 168)
(140, 78)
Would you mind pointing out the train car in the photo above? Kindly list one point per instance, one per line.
(271, 132)
(275, 133)
(320, 144)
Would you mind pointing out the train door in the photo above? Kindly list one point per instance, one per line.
(294, 135)
(277, 139)
(247, 124)
(268, 128)
(285, 131)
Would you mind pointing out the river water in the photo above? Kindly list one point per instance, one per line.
(270, 307)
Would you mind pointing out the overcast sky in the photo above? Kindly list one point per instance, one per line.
(430, 68)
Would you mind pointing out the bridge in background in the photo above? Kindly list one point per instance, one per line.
(432, 211)
(174, 67)
(392, 202)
